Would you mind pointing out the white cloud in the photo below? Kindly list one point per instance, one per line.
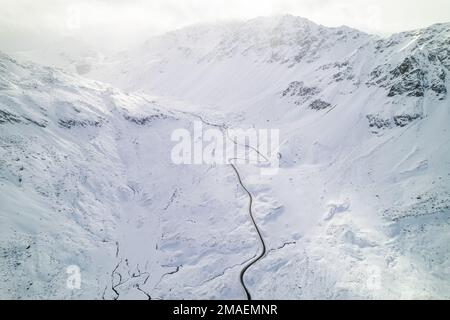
(27, 23)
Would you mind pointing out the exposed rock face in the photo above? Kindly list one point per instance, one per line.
(402, 120)
(145, 120)
(303, 94)
(412, 80)
(424, 66)
(7, 117)
(376, 121)
(319, 105)
(341, 71)
(299, 93)
(71, 123)
(298, 89)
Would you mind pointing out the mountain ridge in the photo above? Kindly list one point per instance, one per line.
(358, 210)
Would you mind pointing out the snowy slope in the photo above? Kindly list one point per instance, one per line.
(231, 65)
(360, 207)
(224, 64)
(86, 180)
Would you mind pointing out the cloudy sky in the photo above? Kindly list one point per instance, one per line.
(26, 24)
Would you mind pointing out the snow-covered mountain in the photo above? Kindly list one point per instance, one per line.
(237, 63)
(86, 180)
(360, 207)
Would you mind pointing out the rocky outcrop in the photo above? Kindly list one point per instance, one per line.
(376, 121)
(71, 123)
(7, 117)
(298, 89)
(401, 120)
(299, 92)
(319, 105)
(11, 118)
(405, 119)
(145, 120)
(423, 67)
(410, 79)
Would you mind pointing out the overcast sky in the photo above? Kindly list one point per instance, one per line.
(25, 24)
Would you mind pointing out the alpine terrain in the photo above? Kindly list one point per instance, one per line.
(359, 208)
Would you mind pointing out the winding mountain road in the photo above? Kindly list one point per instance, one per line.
(224, 128)
(263, 252)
